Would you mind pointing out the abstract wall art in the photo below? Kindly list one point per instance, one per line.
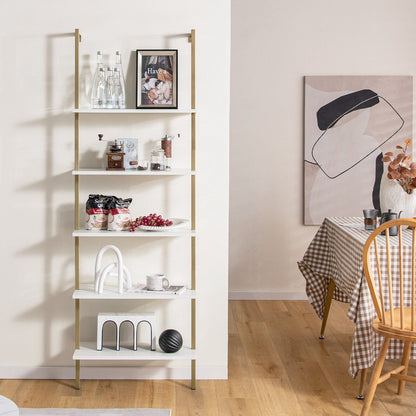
(349, 122)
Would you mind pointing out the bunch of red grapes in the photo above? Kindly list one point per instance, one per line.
(152, 220)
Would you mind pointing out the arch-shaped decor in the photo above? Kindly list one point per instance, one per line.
(122, 273)
(119, 318)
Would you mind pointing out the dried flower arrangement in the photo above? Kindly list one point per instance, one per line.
(401, 168)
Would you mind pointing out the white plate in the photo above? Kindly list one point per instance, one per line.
(177, 222)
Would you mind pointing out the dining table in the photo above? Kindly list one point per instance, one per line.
(334, 257)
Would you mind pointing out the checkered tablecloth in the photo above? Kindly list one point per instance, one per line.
(336, 253)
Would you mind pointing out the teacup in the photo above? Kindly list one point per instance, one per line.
(156, 282)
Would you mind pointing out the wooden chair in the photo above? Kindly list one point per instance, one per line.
(390, 273)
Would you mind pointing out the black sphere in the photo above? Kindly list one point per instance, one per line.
(170, 340)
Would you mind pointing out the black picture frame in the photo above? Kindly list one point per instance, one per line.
(157, 78)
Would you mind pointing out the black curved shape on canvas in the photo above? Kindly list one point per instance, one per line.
(379, 168)
(330, 113)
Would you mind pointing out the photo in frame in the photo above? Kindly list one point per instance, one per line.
(157, 78)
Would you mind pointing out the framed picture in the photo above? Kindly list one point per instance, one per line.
(157, 78)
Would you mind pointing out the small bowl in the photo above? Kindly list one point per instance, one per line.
(143, 165)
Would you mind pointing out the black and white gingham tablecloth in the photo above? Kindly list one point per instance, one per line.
(336, 252)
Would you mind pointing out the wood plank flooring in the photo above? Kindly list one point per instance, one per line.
(277, 367)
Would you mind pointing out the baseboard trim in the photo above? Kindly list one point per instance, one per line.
(242, 295)
(114, 373)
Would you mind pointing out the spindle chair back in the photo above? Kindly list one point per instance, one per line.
(389, 263)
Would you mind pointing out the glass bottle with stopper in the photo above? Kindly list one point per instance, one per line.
(110, 95)
(122, 83)
(98, 84)
(99, 89)
(119, 94)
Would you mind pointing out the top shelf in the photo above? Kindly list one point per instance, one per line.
(132, 111)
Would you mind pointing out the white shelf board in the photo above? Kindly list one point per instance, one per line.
(177, 232)
(86, 292)
(88, 351)
(132, 172)
(133, 111)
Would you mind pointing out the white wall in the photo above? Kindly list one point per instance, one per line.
(274, 44)
(37, 49)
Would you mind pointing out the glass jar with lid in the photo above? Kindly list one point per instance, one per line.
(158, 159)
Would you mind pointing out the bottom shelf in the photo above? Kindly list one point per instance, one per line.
(88, 351)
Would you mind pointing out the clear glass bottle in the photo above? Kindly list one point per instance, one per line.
(96, 102)
(119, 66)
(109, 90)
(120, 100)
(99, 98)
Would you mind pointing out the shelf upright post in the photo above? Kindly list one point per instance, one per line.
(193, 207)
(76, 207)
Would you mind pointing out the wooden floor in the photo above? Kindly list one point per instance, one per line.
(277, 367)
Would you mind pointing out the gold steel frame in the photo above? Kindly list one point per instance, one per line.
(193, 206)
(76, 208)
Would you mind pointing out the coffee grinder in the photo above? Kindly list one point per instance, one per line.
(115, 155)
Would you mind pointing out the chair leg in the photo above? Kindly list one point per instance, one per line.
(363, 379)
(405, 361)
(375, 377)
(328, 300)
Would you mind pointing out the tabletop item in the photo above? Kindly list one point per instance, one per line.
(388, 216)
(156, 282)
(336, 253)
(153, 222)
(386, 267)
(170, 340)
(398, 182)
(117, 269)
(118, 319)
(110, 96)
(115, 156)
(166, 144)
(142, 165)
(121, 88)
(118, 91)
(158, 159)
(96, 209)
(130, 149)
(119, 216)
(173, 223)
(98, 84)
(370, 219)
(108, 87)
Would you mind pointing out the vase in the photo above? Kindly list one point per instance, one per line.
(393, 196)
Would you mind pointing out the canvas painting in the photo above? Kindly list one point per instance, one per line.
(349, 122)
